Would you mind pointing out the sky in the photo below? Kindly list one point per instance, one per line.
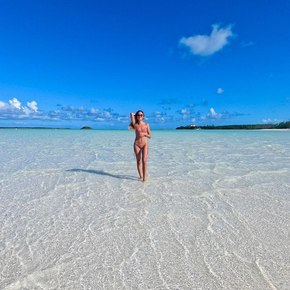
(90, 63)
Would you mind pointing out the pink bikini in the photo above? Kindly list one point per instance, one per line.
(140, 130)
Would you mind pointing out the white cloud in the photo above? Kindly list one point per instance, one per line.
(185, 113)
(33, 106)
(15, 104)
(220, 91)
(205, 45)
(188, 112)
(159, 117)
(267, 121)
(100, 119)
(107, 115)
(94, 111)
(13, 109)
(3, 105)
(213, 114)
(270, 121)
(86, 114)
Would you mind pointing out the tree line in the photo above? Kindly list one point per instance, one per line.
(282, 125)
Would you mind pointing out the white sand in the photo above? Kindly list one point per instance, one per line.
(214, 213)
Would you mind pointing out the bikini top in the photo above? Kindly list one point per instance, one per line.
(142, 129)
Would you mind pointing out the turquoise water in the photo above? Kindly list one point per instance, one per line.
(214, 213)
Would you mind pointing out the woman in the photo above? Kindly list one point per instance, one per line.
(142, 131)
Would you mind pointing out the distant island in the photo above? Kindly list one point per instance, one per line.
(86, 128)
(282, 125)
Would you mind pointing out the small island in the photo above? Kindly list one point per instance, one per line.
(282, 125)
(86, 128)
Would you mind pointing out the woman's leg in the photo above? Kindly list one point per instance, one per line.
(138, 154)
(144, 160)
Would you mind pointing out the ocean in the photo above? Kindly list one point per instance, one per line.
(213, 214)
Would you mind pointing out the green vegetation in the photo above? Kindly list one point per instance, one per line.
(282, 125)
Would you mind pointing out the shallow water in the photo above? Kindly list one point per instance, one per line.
(214, 213)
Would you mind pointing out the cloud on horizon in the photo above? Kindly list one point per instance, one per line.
(15, 110)
(187, 112)
(270, 121)
(205, 45)
(159, 117)
(213, 115)
(70, 113)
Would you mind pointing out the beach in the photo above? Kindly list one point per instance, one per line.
(214, 213)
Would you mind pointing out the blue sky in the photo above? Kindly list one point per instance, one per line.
(76, 63)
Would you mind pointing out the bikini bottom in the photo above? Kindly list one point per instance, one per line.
(141, 146)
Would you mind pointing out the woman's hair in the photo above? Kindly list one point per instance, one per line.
(136, 119)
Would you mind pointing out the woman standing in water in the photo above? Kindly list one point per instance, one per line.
(142, 131)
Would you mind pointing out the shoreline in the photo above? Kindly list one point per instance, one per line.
(275, 129)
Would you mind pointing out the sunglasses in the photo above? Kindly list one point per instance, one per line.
(139, 115)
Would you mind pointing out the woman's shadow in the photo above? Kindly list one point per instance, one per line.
(101, 172)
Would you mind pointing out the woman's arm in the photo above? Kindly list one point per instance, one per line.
(148, 135)
(133, 120)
